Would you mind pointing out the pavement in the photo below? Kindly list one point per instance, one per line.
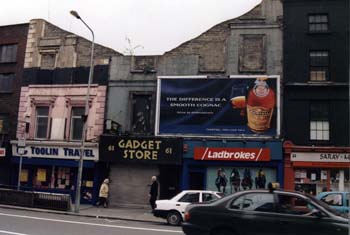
(118, 213)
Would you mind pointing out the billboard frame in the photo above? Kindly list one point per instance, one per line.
(244, 136)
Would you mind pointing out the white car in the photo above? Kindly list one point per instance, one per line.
(173, 210)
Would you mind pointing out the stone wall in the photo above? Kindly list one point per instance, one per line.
(65, 49)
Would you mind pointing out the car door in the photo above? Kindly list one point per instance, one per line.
(185, 200)
(254, 214)
(346, 202)
(296, 217)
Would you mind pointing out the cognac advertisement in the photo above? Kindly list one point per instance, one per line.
(233, 107)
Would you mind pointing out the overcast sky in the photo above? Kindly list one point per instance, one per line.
(157, 25)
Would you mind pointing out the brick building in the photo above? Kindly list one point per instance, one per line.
(316, 101)
(12, 49)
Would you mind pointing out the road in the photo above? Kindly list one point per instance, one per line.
(17, 222)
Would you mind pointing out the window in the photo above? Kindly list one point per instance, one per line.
(318, 23)
(319, 62)
(319, 122)
(48, 61)
(8, 53)
(42, 122)
(334, 199)
(289, 204)
(255, 202)
(190, 197)
(6, 81)
(4, 123)
(207, 197)
(77, 123)
(141, 113)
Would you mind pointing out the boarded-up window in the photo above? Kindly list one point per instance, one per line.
(48, 61)
(252, 53)
(141, 113)
(143, 64)
(212, 57)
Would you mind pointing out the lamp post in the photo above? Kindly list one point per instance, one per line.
(21, 149)
(84, 117)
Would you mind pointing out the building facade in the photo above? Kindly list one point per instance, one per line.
(316, 74)
(52, 104)
(236, 53)
(12, 49)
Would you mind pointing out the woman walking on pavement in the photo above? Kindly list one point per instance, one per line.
(103, 195)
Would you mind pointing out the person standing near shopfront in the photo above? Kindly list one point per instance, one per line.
(153, 193)
(103, 195)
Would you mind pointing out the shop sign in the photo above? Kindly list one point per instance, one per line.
(232, 154)
(320, 157)
(2, 152)
(55, 152)
(230, 107)
(141, 150)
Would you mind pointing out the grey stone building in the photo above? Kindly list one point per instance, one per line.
(248, 45)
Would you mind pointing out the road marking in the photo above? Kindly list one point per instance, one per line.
(90, 224)
(8, 232)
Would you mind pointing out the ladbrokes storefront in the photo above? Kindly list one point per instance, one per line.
(134, 160)
(311, 169)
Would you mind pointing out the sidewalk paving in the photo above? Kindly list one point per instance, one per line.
(120, 213)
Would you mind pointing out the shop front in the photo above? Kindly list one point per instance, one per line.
(134, 160)
(52, 167)
(314, 169)
(230, 166)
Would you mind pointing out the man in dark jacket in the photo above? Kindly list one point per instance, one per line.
(153, 193)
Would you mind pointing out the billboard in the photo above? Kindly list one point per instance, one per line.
(235, 106)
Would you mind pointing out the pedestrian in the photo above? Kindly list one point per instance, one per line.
(153, 193)
(223, 178)
(218, 180)
(103, 195)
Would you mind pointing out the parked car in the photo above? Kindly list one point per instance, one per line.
(337, 200)
(173, 210)
(271, 212)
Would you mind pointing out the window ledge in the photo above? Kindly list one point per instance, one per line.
(8, 63)
(311, 83)
(319, 142)
(319, 33)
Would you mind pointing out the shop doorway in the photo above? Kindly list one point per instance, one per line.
(197, 180)
(169, 181)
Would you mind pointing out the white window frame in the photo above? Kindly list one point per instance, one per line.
(42, 116)
(72, 118)
(318, 23)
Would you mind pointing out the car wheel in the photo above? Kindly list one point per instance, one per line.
(173, 218)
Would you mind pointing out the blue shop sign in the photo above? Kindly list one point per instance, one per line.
(68, 152)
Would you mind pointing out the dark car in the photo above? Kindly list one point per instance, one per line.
(268, 212)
